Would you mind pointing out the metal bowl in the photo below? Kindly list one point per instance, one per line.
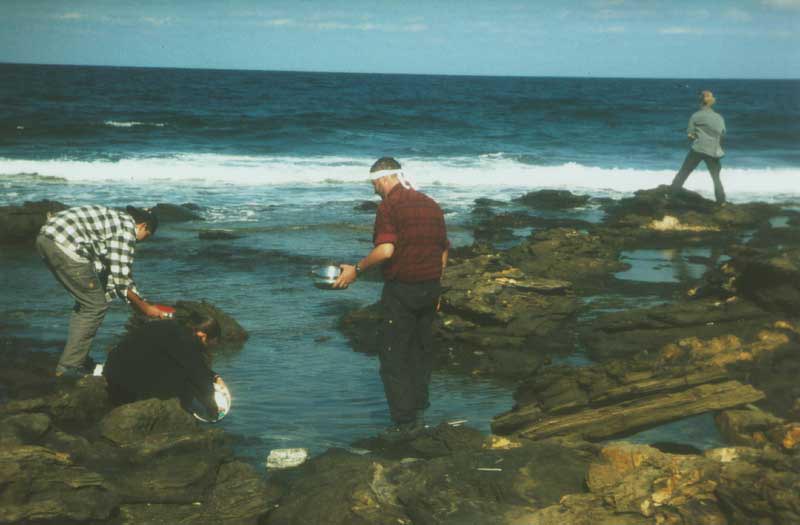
(325, 276)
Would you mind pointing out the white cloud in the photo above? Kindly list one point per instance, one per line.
(782, 4)
(279, 22)
(609, 14)
(70, 16)
(610, 29)
(156, 21)
(737, 15)
(332, 25)
(679, 30)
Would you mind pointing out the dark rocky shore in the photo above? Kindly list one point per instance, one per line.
(591, 357)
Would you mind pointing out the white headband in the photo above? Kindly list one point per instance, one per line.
(401, 177)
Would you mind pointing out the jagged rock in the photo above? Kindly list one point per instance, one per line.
(339, 488)
(21, 224)
(366, 206)
(757, 428)
(637, 484)
(688, 212)
(218, 235)
(166, 514)
(240, 495)
(629, 332)
(38, 485)
(175, 213)
(23, 428)
(74, 404)
(770, 279)
(184, 478)
(552, 199)
(489, 481)
(684, 378)
(501, 303)
(581, 509)
(562, 253)
(776, 373)
(135, 422)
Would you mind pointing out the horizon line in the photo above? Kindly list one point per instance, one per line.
(335, 72)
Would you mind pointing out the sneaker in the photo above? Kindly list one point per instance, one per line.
(69, 373)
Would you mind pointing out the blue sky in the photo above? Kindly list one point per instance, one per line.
(644, 38)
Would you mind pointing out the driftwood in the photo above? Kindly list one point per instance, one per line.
(628, 416)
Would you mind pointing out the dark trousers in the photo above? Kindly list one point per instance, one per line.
(405, 353)
(714, 166)
(81, 281)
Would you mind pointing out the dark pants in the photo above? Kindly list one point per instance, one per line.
(714, 166)
(81, 281)
(405, 353)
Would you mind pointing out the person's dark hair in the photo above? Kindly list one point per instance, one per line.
(146, 217)
(206, 324)
(385, 163)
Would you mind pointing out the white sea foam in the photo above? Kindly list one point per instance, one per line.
(130, 124)
(476, 173)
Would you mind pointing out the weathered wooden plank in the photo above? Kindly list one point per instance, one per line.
(631, 416)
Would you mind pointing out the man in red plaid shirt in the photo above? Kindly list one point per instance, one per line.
(410, 242)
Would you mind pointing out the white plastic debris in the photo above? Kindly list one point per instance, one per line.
(281, 458)
(98, 370)
(456, 422)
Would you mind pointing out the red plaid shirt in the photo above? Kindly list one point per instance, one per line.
(414, 223)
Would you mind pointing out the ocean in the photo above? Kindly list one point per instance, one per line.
(283, 158)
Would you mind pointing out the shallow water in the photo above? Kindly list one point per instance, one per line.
(667, 266)
(296, 382)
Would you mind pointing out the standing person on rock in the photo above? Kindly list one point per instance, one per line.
(706, 129)
(89, 250)
(410, 242)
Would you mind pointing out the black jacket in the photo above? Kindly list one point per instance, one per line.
(160, 359)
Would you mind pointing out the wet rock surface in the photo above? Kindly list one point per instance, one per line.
(218, 235)
(591, 359)
(21, 224)
(445, 475)
(67, 456)
(177, 212)
(552, 199)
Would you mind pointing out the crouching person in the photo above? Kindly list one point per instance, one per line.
(165, 360)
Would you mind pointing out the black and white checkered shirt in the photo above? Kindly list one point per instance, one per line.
(104, 237)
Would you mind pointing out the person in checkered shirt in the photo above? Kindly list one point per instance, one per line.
(89, 250)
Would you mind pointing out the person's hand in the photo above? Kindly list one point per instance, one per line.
(151, 311)
(347, 277)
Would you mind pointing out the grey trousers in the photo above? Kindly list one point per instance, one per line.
(82, 282)
(691, 161)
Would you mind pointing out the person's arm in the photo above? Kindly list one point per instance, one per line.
(120, 258)
(691, 129)
(380, 253)
(383, 238)
(143, 306)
